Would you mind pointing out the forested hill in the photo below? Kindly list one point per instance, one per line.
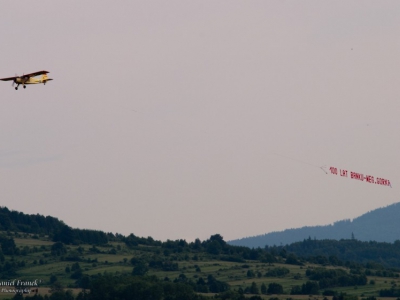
(11, 220)
(381, 225)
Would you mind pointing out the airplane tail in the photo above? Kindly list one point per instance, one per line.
(45, 78)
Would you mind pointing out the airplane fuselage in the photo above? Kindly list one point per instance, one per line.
(32, 80)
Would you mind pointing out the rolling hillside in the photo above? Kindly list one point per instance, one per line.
(68, 263)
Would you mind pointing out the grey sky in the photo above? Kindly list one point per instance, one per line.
(164, 116)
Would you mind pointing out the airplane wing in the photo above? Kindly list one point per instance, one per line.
(25, 75)
(9, 78)
(35, 74)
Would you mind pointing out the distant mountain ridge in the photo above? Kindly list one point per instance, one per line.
(380, 225)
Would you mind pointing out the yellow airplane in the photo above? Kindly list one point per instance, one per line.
(28, 79)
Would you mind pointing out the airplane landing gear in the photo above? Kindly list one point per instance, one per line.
(16, 88)
(24, 86)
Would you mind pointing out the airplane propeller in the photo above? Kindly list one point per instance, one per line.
(15, 80)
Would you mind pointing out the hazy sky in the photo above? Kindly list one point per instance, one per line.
(164, 117)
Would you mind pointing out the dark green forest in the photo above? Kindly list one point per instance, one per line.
(386, 254)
